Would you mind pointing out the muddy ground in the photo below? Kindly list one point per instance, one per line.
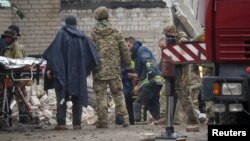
(90, 133)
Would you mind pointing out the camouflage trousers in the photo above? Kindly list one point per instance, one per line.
(100, 87)
(182, 85)
(23, 115)
(163, 100)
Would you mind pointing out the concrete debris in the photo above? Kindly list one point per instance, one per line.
(187, 19)
(47, 113)
(43, 98)
(35, 101)
(181, 139)
(89, 117)
(13, 103)
(147, 137)
(192, 128)
(43, 106)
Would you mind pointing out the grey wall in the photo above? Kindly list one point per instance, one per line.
(43, 18)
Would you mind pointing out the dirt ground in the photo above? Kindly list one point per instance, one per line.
(90, 133)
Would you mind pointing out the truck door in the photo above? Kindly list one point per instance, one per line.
(232, 31)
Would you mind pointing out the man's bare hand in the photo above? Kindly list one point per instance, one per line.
(49, 74)
(136, 90)
(132, 75)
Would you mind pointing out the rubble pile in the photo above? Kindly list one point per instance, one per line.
(43, 107)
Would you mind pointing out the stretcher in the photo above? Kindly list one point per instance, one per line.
(15, 74)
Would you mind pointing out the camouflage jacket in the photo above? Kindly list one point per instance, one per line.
(14, 50)
(111, 48)
(181, 38)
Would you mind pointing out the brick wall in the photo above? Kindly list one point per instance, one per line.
(43, 18)
(39, 25)
(5, 19)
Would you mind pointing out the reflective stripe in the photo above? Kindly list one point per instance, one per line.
(148, 64)
(145, 81)
(157, 79)
(132, 64)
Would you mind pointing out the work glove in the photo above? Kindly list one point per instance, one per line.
(49, 74)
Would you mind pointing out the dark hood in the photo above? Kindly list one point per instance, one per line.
(103, 27)
(135, 48)
(73, 31)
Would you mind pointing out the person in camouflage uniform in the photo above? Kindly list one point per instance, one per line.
(15, 50)
(186, 78)
(205, 69)
(163, 93)
(163, 98)
(112, 49)
(2, 41)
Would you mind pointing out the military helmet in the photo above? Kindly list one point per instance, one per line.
(170, 30)
(101, 13)
(9, 33)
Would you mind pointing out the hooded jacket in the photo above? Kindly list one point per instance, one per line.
(71, 57)
(144, 63)
(111, 48)
(15, 50)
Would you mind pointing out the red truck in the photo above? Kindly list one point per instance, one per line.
(227, 32)
(227, 45)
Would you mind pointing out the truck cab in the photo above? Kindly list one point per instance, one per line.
(227, 32)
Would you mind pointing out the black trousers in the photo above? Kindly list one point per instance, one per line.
(149, 97)
(61, 109)
(202, 104)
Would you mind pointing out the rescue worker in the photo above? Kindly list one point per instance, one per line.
(163, 98)
(205, 69)
(128, 81)
(2, 41)
(16, 50)
(112, 49)
(70, 58)
(13, 49)
(150, 82)
(185, 79)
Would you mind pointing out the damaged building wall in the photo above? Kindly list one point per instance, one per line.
(43, 19)
(39, 25)
(188, 16)
(5, 18)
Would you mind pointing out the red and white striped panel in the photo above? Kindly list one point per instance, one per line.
(185, 53)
